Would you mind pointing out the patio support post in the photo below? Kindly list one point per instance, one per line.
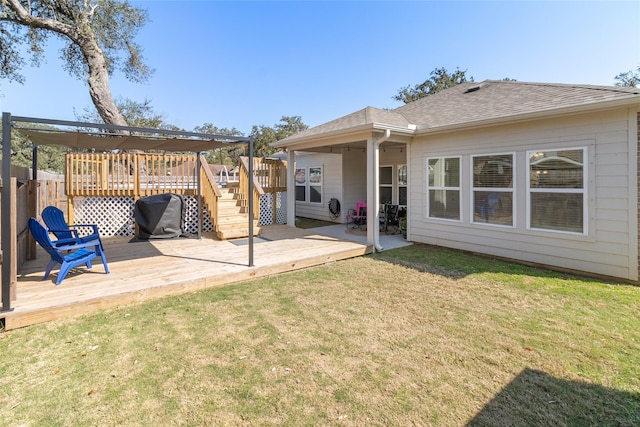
(373, 194)
(291, 188)
(7, 244)
(251, 200)
(199, 194)
(372, 191)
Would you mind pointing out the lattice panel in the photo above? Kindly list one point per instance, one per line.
(281, 206)
(267, 206)
(191, 214)
(114, 215)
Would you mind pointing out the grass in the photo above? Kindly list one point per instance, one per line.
(413, 336)
(305, 223)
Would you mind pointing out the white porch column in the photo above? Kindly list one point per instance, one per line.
(291, 188)
(372, 194)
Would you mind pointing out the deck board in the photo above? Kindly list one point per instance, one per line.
(144, 270)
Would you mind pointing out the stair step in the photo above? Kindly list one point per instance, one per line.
(237, 233)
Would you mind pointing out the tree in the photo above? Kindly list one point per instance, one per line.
(50, 158)
(225, 155)
(95, 35)
(440, 80)
(263, 135)
(629, 79)
(136, 114)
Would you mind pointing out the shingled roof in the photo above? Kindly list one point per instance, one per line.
(471, 102)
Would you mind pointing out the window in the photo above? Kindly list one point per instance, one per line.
(385, 190)
(315, 185)
(493, 189)
(309, 184)
(301, 185)
(402, 185)
(443, 187)
(556, 184)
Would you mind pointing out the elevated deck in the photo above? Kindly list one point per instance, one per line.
(145, 270)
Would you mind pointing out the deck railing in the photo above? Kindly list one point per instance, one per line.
(141, 174)
(129, 174)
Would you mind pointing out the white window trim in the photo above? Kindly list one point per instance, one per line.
(495, 189)
(584, 191)
(309, 184)
(392, 185)
(399, 186)
(428, 188)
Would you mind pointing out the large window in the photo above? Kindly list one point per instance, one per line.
(309, 184)
(556, 184)
(493, 189)
(443, 187)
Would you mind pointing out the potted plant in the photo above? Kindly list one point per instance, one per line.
(403, 226)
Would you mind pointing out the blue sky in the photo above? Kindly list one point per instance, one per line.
(238, 64)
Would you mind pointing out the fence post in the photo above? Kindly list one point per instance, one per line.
(14, 239)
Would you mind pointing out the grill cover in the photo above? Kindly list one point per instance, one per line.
(160, 216)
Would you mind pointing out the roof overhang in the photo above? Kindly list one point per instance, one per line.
(346, 136)
(538, 115)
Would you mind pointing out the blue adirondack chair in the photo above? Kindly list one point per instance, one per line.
(68, 255)
(54, 219)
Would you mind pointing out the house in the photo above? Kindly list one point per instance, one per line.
(536, 172)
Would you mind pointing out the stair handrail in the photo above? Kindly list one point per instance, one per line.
(244, 185)
(210, 190)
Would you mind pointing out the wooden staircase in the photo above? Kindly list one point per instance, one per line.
(233, 214)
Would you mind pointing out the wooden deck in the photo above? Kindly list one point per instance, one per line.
(150, 269)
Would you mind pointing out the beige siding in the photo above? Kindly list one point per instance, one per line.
(610, 246)
(331, 184)
(354, 169)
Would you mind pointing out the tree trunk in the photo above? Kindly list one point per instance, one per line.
(98, 81)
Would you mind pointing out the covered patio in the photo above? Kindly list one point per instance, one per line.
(143, 270)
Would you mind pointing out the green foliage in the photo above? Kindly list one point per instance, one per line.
(440, 80)
(629, 79)
(27, 27)
(50, 158)
(222, 156)
(137, 114)
(264, 135)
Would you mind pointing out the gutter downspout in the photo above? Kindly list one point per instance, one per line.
(373, 166)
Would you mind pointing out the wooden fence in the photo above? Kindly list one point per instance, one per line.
(27, 201)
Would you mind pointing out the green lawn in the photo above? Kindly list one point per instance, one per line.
(413, 336)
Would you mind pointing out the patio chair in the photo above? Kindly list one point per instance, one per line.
(68, 255)
(357, 218)
(54, 219)
(389, 221)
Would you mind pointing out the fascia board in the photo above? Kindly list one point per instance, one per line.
(344, 136)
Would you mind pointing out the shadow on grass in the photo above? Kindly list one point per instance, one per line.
(456, 264)
(535, 398)
(306, 223)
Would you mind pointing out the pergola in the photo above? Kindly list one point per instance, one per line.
(103, 138)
